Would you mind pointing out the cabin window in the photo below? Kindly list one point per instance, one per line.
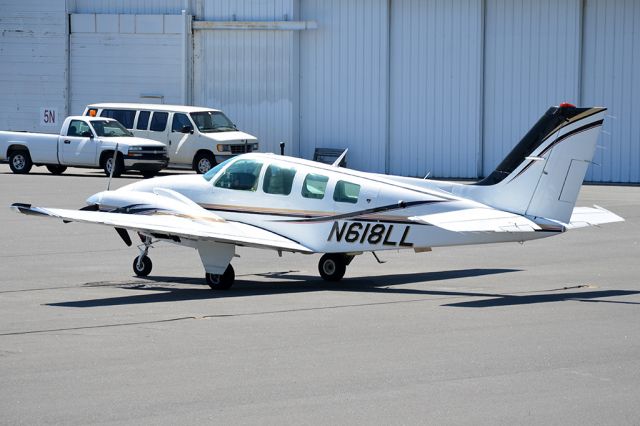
(143, 120)
(159, 121)
(124, 116)
(314, 186)
(346, 192)
(242, 175)
(278, 180)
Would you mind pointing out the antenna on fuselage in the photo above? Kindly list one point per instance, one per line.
(339, 160)
(113, 166)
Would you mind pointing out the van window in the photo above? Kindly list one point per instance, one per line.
(143, 120)
(314, 186)
(124, 116)
(278, 180)
(241, 175)
(179, 121)
(159, 121)
(346, 192)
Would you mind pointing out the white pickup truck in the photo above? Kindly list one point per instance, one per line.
(83, 142)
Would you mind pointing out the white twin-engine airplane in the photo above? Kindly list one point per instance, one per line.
(288, 204)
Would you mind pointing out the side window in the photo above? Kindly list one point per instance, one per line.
(124, 116)
(143, 120)
(278, 180)
(77, 128)
(314, 186)
(179, 121)
(346, 192)
(241, 175)
(159, 121)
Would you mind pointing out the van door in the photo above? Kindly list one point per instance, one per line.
(179, 149)
(158, 128)
(76, 149)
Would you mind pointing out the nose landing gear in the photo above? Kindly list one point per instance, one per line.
(142, 264)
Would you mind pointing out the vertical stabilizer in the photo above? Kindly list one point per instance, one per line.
(542, 175)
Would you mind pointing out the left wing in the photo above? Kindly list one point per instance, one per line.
(175, 226)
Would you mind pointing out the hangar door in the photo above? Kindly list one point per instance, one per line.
(125, 58)
(435, 88)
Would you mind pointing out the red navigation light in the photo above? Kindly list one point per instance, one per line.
(567, 105)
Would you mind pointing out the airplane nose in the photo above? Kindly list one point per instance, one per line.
(95, 198)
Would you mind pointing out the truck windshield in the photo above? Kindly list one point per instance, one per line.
(212, 121)
(109, 128)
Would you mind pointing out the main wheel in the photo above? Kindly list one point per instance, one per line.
(332, 266)
(108, 164)
(145, 266)
(56, 169)
(203, 162)
(20, 162)
(221, 282)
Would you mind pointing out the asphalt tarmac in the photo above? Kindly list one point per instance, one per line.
(542, 333)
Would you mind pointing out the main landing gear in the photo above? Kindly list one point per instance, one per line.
(332, 266)
(142, 263)
(221, 282)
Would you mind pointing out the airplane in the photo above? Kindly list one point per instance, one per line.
(288, 204)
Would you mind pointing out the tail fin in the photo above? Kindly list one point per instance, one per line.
(542, 175)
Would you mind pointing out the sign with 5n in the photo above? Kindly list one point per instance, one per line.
(49, 117)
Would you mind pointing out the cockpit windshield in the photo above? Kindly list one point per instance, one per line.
(214, 171)
(212, 121)
(109, 128)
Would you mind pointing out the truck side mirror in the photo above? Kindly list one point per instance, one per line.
(186, 129)
(87, 134)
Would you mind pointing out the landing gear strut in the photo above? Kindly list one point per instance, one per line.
(142, 263)
(332, 266)
(221, 282)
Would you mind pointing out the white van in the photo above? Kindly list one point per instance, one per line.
(197, 138)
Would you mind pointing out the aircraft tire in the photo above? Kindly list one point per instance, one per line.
(332, 266)
(146, 266)
(221, 282)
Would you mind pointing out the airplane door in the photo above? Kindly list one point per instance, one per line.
(76, 148)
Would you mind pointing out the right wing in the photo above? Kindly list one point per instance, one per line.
(175, 225)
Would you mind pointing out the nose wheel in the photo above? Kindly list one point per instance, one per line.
(142, 264)
(221, 281)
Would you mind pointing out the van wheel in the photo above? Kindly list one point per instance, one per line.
(20, 162)
(55, 169)
(203, 162)
(108, 164)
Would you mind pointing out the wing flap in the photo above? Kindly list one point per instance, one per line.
(200, 228)
(478, 220)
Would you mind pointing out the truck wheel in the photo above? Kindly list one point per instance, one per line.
(108, 164)
(20, 161)
(56, 170)
(149, 173)
(203, 162)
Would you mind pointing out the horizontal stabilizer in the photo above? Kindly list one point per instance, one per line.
(478, 220)
(591, 216)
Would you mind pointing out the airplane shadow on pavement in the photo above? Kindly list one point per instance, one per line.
(288, 282)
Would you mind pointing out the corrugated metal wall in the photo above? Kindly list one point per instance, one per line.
(611, 77)
(33, 66)
(532, 61)
(250, 74)
(343, 80)
(125, 58)
(410, 86)
(436, 87)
